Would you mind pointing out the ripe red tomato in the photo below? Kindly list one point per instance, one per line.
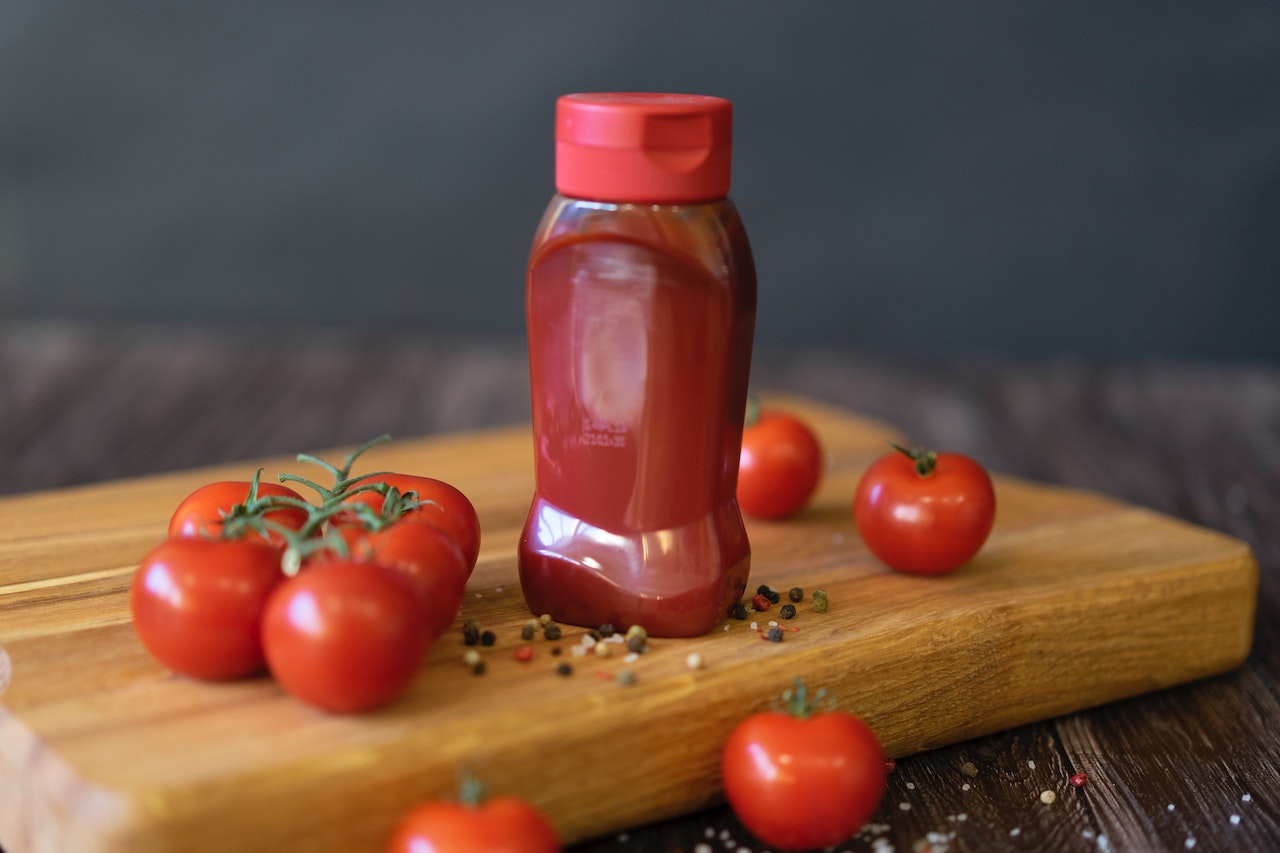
(424, 552)
(197, 604)
(450, 509)
(497, 825)
(800, 783)
(200, 513)
(780, 466)
(924, 513)
(345, 636)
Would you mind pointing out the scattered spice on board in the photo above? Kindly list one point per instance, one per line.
(1048, 797)
(565, 669)
(761, 603)
(796, 594)
(788, 611)
(524, 654)
(969, 769)
(1078, 780)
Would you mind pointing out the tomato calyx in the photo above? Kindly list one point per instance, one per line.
(796, 701)
(752, 415)
(924, 460)
(313, 537)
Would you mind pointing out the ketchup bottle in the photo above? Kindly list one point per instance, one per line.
(640, 305)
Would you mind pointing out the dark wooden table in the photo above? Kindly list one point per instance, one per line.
(1196, 767)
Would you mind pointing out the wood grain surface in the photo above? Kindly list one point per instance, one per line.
(1200, 442)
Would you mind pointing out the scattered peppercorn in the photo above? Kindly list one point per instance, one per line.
(529, 629)
(555, 650)
(820, 601)
(636, 643)
(637, 631)
(969, 769)
(470, 635)
(788, 611)
(890, 765)
(565, 669)
(761, 602)
(769, 593)
(796, 594)
(551, 632)
(774, 635)
(595, 634)
(1078, 780)
(546, 619)
(738, 611)
(472, 657)
(479, 668)
(488, 638)
(626, 676)
(523, 653)
(607, 630)
(471, 623)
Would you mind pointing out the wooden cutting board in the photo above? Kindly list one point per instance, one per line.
(1076, 600)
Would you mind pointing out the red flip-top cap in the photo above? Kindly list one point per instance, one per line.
(643, 147)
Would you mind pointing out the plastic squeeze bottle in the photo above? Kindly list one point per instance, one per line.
(640, 305)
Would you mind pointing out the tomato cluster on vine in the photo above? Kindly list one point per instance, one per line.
(339, 599)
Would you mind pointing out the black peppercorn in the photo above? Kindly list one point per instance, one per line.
(488, 638)
(788, 611)
(795, 594)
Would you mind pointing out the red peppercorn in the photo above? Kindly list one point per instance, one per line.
(1078, 780)
(761, 602)
(890, 765)
(523, 653)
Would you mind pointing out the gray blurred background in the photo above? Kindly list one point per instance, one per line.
(1092, 180)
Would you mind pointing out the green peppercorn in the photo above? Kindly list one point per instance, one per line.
(788, 611)
(796, 594)
(471, 623)
(637, 631)
(819, 603)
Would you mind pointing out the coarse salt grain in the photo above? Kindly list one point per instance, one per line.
(1246, 799)
(1015, 832)
(1170, 807)
(906, 807)
(773, 624)
(966, 786)
(693, 661)
(1087, 835)
(755, 626)
(911, 786)
(1190, 842)
(709, 832)
(962, 817)
(702, 848)
(1235, 819)
(632, 658)
(1031, 765)
(726, 627)
(497, 589)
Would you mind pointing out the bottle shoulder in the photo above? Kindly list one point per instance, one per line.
(709, 235)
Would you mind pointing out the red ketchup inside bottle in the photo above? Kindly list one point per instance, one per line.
(640, 306)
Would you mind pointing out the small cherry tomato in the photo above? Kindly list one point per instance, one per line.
(197, 604)
(803, 779)
(443, 505)
(345, 636)
(424, 552)
(201, 512)
(497, 825)
(924, 513)
(780, 465)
